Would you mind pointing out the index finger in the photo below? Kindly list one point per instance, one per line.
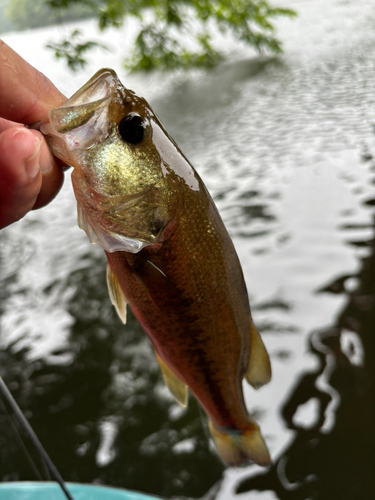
(26, 94)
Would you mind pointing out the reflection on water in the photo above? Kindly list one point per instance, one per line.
(286, 148)
(334, 455)
(103, 412)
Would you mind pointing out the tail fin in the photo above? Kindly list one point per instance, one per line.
(236, 447)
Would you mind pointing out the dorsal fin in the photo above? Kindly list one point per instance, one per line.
(259, 368)
(116, 295)
(174, 384)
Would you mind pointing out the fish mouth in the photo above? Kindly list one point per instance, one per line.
(82, 120)
(101, 86)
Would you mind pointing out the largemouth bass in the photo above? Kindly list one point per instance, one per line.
(169, 255)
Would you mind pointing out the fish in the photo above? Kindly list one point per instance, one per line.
(170, 257)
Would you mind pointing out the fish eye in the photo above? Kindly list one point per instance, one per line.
(132, 128)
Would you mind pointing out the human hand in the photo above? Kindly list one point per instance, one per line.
(30, 177)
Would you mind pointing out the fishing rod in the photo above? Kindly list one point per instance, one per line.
(34, 438)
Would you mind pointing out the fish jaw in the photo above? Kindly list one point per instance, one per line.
(82, 120)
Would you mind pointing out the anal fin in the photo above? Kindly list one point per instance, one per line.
(259, 368)
(116, 295)
(174, 384)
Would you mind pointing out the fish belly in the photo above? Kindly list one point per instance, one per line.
(193, 306)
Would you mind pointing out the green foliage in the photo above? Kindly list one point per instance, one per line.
(154, 49)
(165, 42)
(73, 50)
(25, 14)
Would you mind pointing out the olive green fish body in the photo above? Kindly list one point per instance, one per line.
(187, 319)
(170, 256)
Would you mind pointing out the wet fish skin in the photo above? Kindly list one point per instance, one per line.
(170, 256)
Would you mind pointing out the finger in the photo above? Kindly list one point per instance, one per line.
(4, 124)
(26, 94)
(52, 177)
(24, 157)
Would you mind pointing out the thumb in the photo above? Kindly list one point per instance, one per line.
(20, 173)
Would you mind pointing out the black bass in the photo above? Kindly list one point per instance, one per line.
(169, 255)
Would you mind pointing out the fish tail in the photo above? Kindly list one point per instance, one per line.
(238, 447)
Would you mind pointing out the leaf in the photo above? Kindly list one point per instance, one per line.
(162, 43)
(72, 51)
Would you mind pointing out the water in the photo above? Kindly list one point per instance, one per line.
(287, 149)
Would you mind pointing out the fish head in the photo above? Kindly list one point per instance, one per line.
(128, 174)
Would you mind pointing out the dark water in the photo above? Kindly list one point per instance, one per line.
(338, 464)
(287, 149)
(112, 384)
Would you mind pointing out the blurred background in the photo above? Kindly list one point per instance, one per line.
(286, 146)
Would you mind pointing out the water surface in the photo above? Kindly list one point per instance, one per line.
(287, 149)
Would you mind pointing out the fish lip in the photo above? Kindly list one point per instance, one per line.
(101, 86)
(81, 120)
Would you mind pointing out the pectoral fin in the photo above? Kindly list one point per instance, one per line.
(174, 384)
(154, 279)
(155, 282)
(116, 295)
(259, 369)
